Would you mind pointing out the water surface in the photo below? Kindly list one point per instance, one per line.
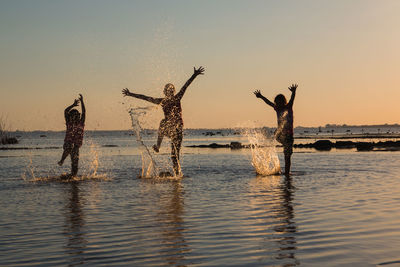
(338, 209)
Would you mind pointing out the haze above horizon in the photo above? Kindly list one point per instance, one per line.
(344, 56)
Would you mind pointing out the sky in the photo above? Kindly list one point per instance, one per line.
(344, 55)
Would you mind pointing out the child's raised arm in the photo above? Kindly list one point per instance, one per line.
(68, 109)
(259, 95)
(292, 88)
(83, 116)
(153, 100)
(199, 71)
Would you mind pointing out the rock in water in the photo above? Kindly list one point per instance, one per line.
(364, 146)
(323, 145)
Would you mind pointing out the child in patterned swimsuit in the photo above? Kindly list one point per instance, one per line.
(75, 123)
(172, 124)
(284, 131)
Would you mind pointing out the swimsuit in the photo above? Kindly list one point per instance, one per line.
(74, 134)
(284, 131)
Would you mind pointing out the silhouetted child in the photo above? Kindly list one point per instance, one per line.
(284, 131)
(75, 123)
(172, 124)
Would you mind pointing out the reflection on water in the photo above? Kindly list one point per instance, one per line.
(172, 228)
(273, 202)
(221, 214)
(171, 216)
(287, 229)
(74, 222)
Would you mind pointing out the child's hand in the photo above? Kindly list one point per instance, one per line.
(126, 92)
(293, 88)
(80, 98)
(76, 102)
(199, 71)
(257, 93)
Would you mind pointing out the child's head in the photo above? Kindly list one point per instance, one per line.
(169, 90)
(280, 100)
(74, 115)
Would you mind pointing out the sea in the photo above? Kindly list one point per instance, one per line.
(337, 208)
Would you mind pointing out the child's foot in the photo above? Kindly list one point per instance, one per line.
(155, 147)
(66, 176)
(60, 163)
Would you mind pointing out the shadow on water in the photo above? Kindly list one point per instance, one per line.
(74, 222)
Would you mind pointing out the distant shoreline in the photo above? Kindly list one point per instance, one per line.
(351, 136)
(320, 145)
(297, 128)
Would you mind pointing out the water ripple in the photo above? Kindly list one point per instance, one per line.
(336, 210)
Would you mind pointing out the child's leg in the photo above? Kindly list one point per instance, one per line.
(287, 164)
(67, 150)
(288, 151)
(74, 160)
(159, 141)
(161, 134)
(176, 142)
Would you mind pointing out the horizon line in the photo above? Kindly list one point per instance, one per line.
(328, 125)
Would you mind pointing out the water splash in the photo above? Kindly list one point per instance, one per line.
(93, 159)
(163, 56)
(263, 152)
(151, 167)
(89, 164)
(29, 173)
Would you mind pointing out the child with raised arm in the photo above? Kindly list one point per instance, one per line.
(75, 123)
(284, 131)
(172, 124)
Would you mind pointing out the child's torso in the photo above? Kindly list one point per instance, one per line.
(74, 133)
(285, 119)
(172, 109)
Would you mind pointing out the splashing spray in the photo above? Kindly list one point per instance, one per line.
(149, 166)
(48, 172)
(29, 172)
(93, 160)
(263, 153)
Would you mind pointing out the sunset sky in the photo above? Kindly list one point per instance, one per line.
(345, 56)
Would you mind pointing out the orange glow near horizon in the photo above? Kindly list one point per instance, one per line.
(343, 55)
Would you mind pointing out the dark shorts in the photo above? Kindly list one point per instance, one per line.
(69, 146)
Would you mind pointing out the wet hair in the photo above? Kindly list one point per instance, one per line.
(74, 115)
(280, 100)
(169, 89)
